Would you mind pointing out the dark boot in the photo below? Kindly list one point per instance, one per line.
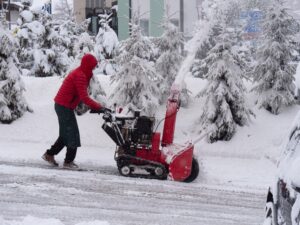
(69, 160)
(50, 159)
(70, 155)
(54, 150)
(71, 166)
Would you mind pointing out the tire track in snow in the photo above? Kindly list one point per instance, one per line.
(74, 196)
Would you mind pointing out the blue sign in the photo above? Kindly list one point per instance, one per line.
(252, 27)
(253, 15)
(253, 20)
(47, 7)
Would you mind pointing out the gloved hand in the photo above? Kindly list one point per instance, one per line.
(101, 110)
(105, 110)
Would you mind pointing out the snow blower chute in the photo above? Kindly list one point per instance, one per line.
(141, 152)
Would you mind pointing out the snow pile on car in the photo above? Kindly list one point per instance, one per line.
(289, 166)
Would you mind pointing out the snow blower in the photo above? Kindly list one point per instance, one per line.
(142, 153)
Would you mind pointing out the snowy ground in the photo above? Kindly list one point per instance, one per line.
(231, 187)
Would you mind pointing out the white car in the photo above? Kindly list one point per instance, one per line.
(283, 199)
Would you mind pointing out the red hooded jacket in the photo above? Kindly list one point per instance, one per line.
(74, 88)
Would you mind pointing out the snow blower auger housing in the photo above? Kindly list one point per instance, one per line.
(140, 152)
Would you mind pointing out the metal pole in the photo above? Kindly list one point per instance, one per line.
(9, 19)
(181, 16)
(130, 16)
(1, 11)
(182, 22)
(130, 10)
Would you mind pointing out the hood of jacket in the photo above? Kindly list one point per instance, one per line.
(88, 63)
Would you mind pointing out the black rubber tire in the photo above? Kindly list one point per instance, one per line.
(123, 174)
(194, 172)
(164, 175)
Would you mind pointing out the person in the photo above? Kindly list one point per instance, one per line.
(70, 94)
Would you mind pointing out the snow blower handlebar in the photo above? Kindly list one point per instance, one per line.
(107, 114)
(103, 110)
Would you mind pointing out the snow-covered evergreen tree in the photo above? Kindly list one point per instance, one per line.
(12, 102)
(137, 80)
(199, 67)
(106, 45)
(70, 32)
(43, 52)
(29, 31)
(274, 74)
(225, 105)
(50, 50)
(207, 28)
(169, 56)
(214, 12)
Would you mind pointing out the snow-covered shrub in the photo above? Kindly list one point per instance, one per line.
(137, 80)
(12, 102)
(274, 73)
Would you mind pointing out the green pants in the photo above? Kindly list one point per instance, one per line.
(68, 128)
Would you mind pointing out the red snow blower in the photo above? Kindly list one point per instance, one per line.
(140, 151)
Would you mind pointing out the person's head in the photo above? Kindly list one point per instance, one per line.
(88, 64)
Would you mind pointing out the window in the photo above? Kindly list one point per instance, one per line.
(88, 3)
(94, 4)
(98, 3)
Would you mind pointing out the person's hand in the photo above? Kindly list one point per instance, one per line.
(101, 110)
(104, 110)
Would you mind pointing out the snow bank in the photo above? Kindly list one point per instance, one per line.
(30, 220)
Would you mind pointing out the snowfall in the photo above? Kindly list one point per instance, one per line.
(231, 187)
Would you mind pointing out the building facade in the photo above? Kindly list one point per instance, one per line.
(84, 9)
(183, 13)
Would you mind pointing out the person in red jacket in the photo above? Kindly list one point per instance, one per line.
(71, 93)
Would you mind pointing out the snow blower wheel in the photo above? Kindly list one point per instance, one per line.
(158, 171)
(125, 171)
(194, 171)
